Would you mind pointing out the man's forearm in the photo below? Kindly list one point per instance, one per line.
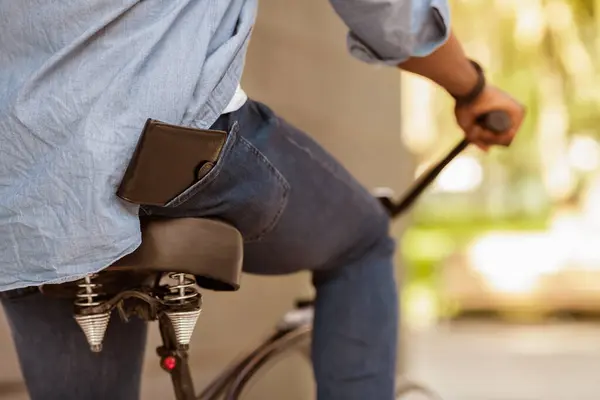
(448, 66)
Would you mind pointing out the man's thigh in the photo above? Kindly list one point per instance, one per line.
(296, 205)
(54, 355)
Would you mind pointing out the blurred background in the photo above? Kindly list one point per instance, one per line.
(499, 262)
(513, 231)
(501, 257)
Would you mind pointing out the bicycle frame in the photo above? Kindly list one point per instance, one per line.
(295, 328)
(175, 361)
(293, 331)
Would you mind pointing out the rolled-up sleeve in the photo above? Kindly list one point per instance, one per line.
(392, 31)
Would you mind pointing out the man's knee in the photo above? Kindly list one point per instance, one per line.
(374, 249)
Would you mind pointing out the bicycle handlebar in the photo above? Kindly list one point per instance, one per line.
(495, 121)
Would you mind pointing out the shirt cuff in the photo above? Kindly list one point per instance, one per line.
(430, 29)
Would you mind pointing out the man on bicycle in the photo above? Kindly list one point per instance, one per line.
(79, 79)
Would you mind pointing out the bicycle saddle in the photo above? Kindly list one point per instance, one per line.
(210, 250)
(190, 251)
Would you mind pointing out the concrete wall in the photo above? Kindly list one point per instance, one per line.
(299, 65)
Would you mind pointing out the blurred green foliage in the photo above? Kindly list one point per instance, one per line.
(546, 53)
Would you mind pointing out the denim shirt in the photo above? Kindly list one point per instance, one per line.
(78, 79)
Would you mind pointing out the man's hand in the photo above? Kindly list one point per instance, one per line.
(452, 70)
(491, 99)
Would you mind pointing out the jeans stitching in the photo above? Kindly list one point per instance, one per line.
(282, 181)
(326, 166)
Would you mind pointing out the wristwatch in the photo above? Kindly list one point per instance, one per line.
(477, 89)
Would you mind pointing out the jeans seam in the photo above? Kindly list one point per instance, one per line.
(282, 181)
(315, 158)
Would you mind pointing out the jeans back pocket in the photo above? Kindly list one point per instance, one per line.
(243, 189)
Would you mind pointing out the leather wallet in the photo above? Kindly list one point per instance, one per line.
(169, 159)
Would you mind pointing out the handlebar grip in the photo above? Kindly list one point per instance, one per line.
(495, 121)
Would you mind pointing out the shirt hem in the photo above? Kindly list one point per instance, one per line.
(91, 268)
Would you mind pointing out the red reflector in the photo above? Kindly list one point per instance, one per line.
(169, 363)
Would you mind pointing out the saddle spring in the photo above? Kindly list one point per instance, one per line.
(184, 289)
(88, 294)
(183, 293)
(93, 325)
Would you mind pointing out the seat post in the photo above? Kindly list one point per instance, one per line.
(174, 360)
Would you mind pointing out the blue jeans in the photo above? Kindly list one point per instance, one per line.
(298, 209)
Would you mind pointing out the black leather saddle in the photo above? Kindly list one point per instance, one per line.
(210, 250)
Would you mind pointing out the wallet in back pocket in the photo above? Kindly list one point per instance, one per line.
(168, 160)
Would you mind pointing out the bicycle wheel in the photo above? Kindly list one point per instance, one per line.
(221, 384)
(288, 343)
(299, 340)
(408, 390)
